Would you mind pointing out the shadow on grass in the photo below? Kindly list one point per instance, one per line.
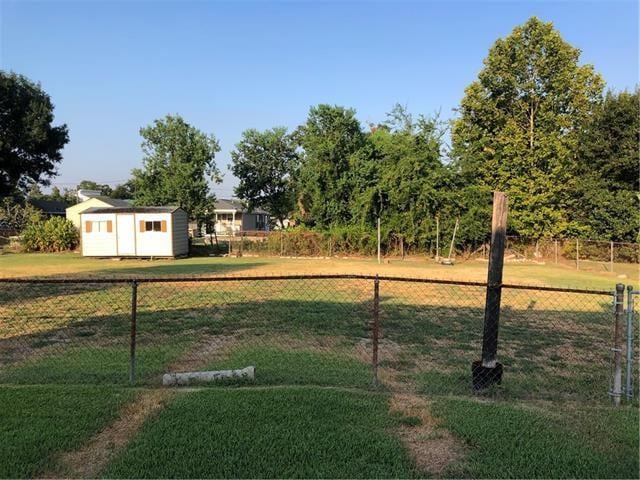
(546, 353)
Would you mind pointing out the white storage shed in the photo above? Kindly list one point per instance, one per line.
(134, 232)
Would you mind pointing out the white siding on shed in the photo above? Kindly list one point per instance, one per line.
(153, 244)
(96, 243)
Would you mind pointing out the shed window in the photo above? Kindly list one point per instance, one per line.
(99, 226)
(155, 226)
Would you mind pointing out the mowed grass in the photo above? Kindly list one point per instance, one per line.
(94, 365)
(513, 441)
(39, 422)
(277, 366)
(268, 433)
(594, 275)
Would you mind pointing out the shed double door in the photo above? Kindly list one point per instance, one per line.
(126, 234)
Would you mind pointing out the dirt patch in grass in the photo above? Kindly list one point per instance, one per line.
(433, 448)
(92, 458)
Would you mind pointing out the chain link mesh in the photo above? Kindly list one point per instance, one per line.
(552, 345)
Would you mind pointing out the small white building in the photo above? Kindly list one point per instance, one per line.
(134, 232)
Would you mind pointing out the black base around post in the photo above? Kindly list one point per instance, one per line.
(484, 377)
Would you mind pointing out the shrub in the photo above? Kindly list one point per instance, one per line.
(53, 235)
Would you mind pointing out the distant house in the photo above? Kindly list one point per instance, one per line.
(49, 208)
(74, 211)
(231, 217)
(134, 232)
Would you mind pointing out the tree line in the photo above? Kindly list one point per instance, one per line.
(535, 123)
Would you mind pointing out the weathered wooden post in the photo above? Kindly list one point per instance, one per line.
(616, 391)
(132, 347)
(611, 256)
(488, 370)
(379, 259)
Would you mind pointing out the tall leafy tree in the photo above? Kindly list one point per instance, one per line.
(605, 203)
(520, 123)
(30, 145)
(401, 175)
(265, 163)
(330, 137)
(123, 191)
(178, 164)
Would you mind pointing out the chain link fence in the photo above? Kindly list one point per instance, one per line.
(409, 335)
(583, 254)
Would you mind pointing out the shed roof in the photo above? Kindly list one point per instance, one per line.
(129, 209)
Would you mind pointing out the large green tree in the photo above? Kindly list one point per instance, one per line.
(265, 163)
(330, 138)
(399, 175)
(30, 146)
(178, 164)
(520, 122)
(606, 202)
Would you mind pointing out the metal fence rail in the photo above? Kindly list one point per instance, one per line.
(404, 334)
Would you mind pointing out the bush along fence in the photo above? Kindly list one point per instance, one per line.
(400, 334)
(308, 243)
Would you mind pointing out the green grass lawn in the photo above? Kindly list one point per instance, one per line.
(511, 441)
(308, 339)
(277, 366)
(267, 433)
(594, 275)
(38, 422)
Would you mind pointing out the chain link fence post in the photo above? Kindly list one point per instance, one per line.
(375, 333)
(616, 391)
(629, 367)
(132, 348)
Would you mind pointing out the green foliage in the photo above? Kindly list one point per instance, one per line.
(18, 215)
(30, 146)
(55, 234)
(177, 167)
(520, 125)
(105, 190)
(605, 201)
(265, 163)
(330, 138)
(123, 191)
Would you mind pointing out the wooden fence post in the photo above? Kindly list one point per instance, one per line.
(611, 261)
(488, 371)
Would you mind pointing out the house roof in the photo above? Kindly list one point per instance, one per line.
(130, 209)
(235, 205)
(51, 207)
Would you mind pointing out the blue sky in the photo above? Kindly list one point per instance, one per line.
(112, 67)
